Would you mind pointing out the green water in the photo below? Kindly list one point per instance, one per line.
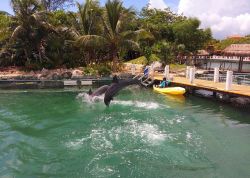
(143, 134)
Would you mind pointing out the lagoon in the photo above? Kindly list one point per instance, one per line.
(54, 133)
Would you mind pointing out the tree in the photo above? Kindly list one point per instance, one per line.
(115, 37)
(30, 36)
(61, 18)
(52, 5)
(164, 51)
(5, 27)
(159, 22)
(180, 52)
(89, 17)
(188, 33)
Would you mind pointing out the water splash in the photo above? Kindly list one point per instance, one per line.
(138, 104)
(84, 97)
(147, 132)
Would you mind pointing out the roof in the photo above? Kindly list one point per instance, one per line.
(235, 37)
(202, 53)
(237, 50)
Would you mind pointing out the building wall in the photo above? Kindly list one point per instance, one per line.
(225, 65)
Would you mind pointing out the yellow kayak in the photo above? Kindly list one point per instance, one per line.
(171, 90)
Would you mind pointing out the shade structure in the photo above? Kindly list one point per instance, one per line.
(242, 50)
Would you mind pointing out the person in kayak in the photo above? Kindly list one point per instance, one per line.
(164, 83)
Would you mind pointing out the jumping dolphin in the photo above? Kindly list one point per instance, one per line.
(99, 91)
(115, 87)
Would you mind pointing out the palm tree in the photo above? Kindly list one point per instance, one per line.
(32, 30)
(114, 36)
(89, 15)
(90, 40)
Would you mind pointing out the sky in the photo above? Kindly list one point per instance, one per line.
(224, 17)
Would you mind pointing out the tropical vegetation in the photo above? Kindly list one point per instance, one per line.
(44, 34)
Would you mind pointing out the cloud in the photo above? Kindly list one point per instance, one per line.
(225, 17)
(158, 4)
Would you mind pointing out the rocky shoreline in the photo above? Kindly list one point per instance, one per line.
(44, 74)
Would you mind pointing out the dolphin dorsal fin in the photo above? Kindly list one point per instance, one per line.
(90, 92)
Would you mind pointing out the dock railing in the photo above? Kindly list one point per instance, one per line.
(237, 79)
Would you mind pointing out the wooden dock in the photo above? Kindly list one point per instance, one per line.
(237, 90)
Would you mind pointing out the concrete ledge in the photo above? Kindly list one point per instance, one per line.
(43, 84)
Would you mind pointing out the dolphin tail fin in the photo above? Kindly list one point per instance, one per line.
(90, 92)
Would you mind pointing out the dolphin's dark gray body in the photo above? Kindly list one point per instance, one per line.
(100, 91)
(116, 87)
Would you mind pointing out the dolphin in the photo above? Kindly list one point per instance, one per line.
(115, 87)
(99, 91)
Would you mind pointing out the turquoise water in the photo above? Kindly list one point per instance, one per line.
(54, 133)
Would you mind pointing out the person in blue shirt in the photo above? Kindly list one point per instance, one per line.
(163, 83)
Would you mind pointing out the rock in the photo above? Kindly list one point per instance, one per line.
(54, 76)
(77, 74)
(66, 75)
(240, 101)
(39, 76)
(156, 64)
(80, 68)
(32, 72)
(45, 71)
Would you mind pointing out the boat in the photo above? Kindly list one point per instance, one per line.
(170, 90)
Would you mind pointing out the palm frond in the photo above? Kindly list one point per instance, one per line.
(20, 30)
(138, 35)
(114, 12)
(91, 41)
(130, 45)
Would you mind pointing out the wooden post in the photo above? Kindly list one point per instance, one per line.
(229, 80)
(151, 72)
(187, 72)
(240, 64)
(216, 75)
(166, 71)
(133, 68)
(192, 75)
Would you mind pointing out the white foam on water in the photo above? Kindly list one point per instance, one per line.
(124, 103)
(188, 136)
(150, 133)
(99, 140)
(89, 99)
(138, 104)
(147, 105)
(76, 144)
(102, 171)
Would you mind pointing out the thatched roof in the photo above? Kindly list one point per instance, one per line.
(202, 53)
(235, 37)
(237, 50)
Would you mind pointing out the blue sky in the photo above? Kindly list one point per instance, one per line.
(138, 4)
(224, 17)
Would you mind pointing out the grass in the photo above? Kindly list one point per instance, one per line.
(142, 60)
(139, 60)
(177, 67)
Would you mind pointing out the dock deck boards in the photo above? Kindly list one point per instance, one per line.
(238, 90)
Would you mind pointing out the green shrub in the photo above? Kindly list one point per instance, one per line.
(100, 69)
(103, 70)
(89, 71)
